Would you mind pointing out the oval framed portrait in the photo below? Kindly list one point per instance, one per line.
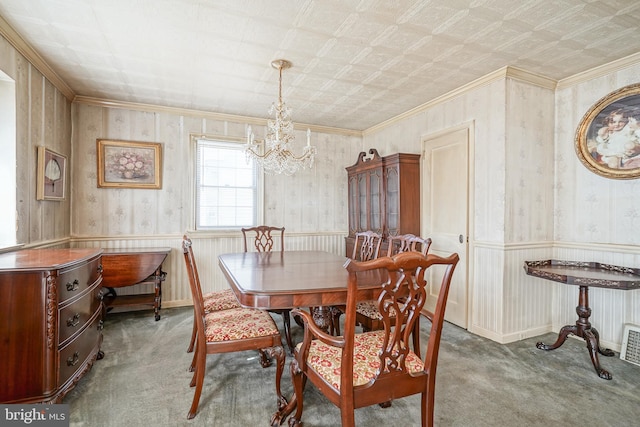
(607, 140)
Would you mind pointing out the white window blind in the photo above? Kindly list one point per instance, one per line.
(226, 186)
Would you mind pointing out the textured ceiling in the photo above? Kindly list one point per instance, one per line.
(355, 63)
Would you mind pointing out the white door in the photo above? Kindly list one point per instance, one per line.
(445, 210)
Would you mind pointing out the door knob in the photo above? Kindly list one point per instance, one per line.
(461, 238)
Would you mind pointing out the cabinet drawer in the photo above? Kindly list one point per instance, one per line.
(80, 351)
(75, 280)
(74, 317)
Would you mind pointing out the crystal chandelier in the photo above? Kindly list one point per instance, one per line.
(274, 154)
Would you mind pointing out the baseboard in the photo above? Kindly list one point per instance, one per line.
(177, 303)
(512, 337)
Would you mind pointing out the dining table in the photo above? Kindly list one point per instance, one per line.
(291, 279)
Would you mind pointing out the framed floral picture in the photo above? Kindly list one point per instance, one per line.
(607, 140)
(51, 175)
(129, 164)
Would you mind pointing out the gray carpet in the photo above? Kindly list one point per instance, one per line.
(143, 381)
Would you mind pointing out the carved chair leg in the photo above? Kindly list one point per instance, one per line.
(278, 353)
(193, 363)
(298, 380)
(199, 381)
(193, 337)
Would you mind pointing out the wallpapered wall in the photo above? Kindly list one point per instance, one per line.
(533, 199)
(510, 188)
(590, 208)
(596, 218)
(43, 119)
(311, 201)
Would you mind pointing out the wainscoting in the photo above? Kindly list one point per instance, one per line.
(507, 305)
(207, 247)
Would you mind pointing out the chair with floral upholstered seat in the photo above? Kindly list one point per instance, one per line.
(215, 301)
(367, 314)
(361, 369)
(230, 330)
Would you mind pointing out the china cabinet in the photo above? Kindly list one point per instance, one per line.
(384, 195)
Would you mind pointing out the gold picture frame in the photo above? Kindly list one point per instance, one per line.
(129, 164)
(607, 139)
(51, 174)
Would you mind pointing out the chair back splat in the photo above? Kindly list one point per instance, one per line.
(367, 311)
(357, 370)
(366, 245)
(264, 238)
(408, 242)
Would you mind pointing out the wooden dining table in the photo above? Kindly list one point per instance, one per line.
(274, 280)
(290, 279)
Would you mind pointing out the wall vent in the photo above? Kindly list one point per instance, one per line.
(631, 344)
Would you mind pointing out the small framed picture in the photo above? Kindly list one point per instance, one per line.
(607, 140)
(51, 175)
(129, 164)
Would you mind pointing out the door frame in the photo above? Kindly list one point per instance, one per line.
(424, 139)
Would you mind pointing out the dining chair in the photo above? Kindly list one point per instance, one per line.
(361, 369)
(367, 314)
(215, 301)
(366, 246)
(264, 240)
(231, 330)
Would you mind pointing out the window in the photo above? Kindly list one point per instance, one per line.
(7, 161)
(226, 186)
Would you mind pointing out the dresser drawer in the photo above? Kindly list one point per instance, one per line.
(73, 281)
(79, 352)
(74, 317)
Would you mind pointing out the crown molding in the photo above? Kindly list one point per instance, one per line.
(34, 58)
(601, 71)
(500, 74)
(109, 103)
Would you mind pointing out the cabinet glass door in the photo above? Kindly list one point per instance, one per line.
(393, 201)
(362, 202)
(353, 202)
(375, 207)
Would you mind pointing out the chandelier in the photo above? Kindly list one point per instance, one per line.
(274, 154)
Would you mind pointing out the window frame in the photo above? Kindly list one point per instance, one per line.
(8, 143)
(194, 185)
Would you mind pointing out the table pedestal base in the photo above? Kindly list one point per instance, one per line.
(583, 329)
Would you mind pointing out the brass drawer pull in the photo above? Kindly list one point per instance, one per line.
(73, 286)
(74, 321)
(73, 361)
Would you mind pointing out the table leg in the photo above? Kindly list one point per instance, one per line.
(583, 329)
(159, 277)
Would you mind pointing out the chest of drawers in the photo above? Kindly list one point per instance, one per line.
(50, 321)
